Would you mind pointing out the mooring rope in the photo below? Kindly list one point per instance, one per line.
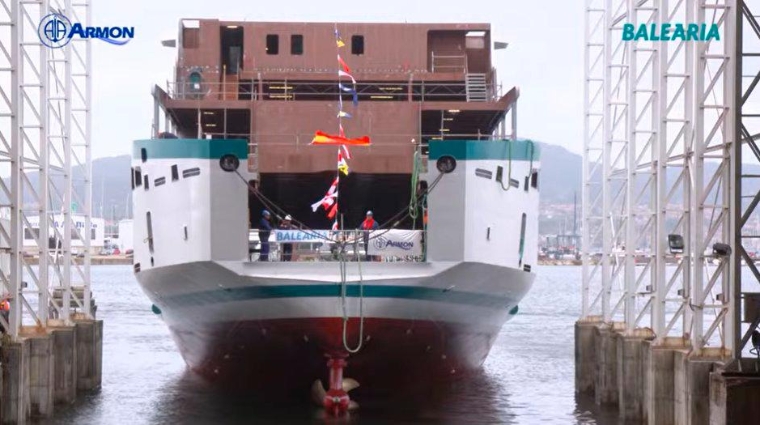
(411, 211)
(395, 220)
(414, 200)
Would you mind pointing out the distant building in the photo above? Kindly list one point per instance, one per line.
(125, 241)
(96, 233)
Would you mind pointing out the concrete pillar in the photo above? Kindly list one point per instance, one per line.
(89, 341)
(699, 390)
(605, 370)
(692, 388)
(680, 387)
(585, 355)
(64, 364)
(734, 395)
(660, 386)
(630, 374)
(15, 398)
(718, 392)
(660, 390)
(41, 375)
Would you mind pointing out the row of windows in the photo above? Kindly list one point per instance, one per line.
(138, 179)
(296, 44)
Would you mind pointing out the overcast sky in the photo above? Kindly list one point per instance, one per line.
(544, 58)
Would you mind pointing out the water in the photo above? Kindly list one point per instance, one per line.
(527, 379)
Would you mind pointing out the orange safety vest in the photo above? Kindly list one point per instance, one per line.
(424, 217)
(368, 224)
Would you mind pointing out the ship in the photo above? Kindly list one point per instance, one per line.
(453, 190)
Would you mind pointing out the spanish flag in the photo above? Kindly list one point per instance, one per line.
(321, 138)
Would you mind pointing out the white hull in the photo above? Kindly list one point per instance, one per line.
(466, 293)
(243, 321)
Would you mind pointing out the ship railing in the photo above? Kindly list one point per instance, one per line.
(334, 245)
(288, 90)
(448, 63)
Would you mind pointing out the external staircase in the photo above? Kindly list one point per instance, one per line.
(477, 89)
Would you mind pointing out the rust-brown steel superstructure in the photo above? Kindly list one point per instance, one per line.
(275, 83)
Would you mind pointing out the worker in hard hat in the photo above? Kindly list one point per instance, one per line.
(369, 224)
(265, 230)
(287, 248)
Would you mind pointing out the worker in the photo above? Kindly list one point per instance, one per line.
(5, 310)
(265, 230)
(287, 248)
(368, 225)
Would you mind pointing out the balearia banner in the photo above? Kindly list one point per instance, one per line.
(295, 236)
(395, 243)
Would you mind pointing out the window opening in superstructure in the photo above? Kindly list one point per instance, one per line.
(357, 45)
(534, 179)
(143, 154)
(296, 44)
(159, 181)
(138, 177)
(232, 49)
(522, 236)
(93, 234)
(191, 34)
(475, 40)
(273, 44)
(191, 172)
(146, 182)
(175, 172)
(132, 177)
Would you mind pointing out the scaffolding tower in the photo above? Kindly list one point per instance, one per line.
(45, 165)
(662, 195)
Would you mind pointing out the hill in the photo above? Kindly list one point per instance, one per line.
(560, 178)
(561, 174)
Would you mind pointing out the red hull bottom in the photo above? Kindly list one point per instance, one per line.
(286, 356)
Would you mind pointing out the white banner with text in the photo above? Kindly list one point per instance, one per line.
(395, 242)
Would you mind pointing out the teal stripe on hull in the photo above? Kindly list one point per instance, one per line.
(333, 290)
(190, 148)
(521, 150)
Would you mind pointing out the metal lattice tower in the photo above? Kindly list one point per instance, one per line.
(45, 150)
(748, 126)
(660, 159)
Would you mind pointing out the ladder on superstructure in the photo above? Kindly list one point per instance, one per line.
(477, 90)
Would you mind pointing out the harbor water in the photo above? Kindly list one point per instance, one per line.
(527, 379)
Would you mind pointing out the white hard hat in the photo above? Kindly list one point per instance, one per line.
(288, 217)
(369, 212)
